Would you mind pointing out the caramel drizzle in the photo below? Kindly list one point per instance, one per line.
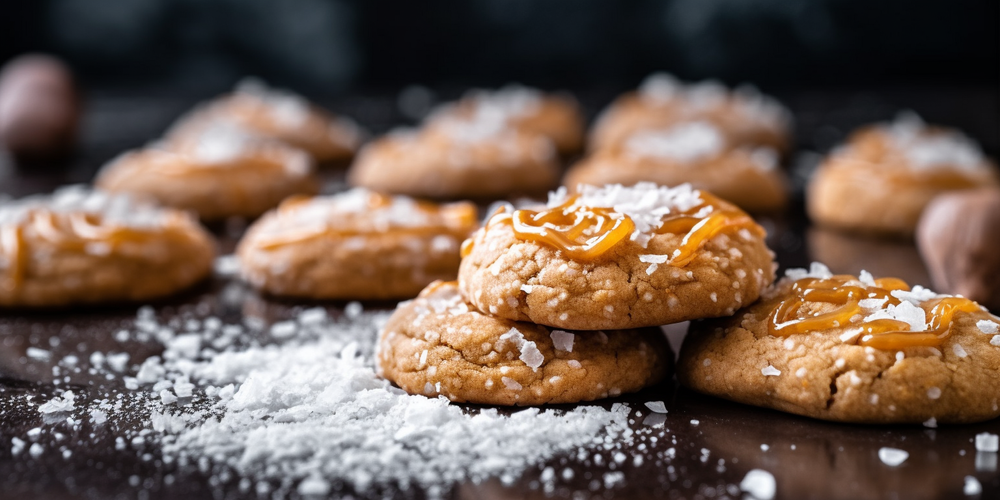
(787, 317)
(457, 219)
(73, 231)
(586, 233)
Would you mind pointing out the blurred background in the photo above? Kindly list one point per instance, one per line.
(836, 63)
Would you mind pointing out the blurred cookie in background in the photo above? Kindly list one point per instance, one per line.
(691, 152)
(848, 253)
(881, 180)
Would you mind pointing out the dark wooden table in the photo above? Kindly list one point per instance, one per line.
(809, 458)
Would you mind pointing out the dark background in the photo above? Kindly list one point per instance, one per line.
(328, 47)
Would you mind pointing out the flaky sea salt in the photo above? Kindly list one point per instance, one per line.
(759, 484)
(987, 442)
(892, 457)
(562, 340)
(59, 404)
(987, 326)
(770, 371)
(656, 406)
(686, 143)
(972, 486)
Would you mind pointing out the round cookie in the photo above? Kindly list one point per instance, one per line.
(354, 245)
(458, 158)
(883, 178)
(278, 115)
(617, 257)
(556, 117)
(694, 152)
(744, 115)
(438, 345)
(851, 349)
(223, 173)
(78, 246)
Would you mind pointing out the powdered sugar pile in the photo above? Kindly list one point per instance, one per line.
(645, 203)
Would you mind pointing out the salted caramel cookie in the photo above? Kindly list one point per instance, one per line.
(79, 246)
(354, 245)
(458, 158)
(275, 114)
(616, 257)
(438, 345)
(695, 152)
(883, 178)
(223, 173)
(851, 349)
(556, 117)
(744, 115)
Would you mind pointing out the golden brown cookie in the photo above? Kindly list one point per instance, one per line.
(78, 246)
(354, 245)
(617, 257)
(745, 116)
(851, 349)
(695, 152)
(556, 117)
(438, 345)
(279, 115)
(881, 180)
(458, 158)
(223, 173)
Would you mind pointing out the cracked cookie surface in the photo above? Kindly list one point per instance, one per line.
(823, 374)
(628, 286)
(438, 344)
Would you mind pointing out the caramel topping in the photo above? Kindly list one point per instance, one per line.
(586, 233)
(788, 318)
(456, 219)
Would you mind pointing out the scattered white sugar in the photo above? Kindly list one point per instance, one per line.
(959, 350)
(816, 270)
(36, 450)
(764, 447)
(931, 423)
(927, 150)
(995, 340)
(115, 209)
(770, 371)
(987, 442)
(688, 142)
(186, 345)
(118, 361)
(872, 304)
(285, 107)
(574, 363)
(850, 334)
(892, 456)
(314, 486)
(987, 326)
(511, 384)
(759, 484)
(645, 203)
(562, 340)
(972, 487)
(654, 261)
(58, 404)
(17, 446)
(934, 392)
(98, 416)
(530, 354)
(916, 296)
(226, 265)
(906, 312)
(38, 354)
(183, 388)
(801, 372)
(34, 433)
(866, 278)
(613, 479)
(352, 310)
(284, 329)
(167, 397)
(695, 422)
(656, 406)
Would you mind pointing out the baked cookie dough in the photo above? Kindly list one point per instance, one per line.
(616, 257)
(476, 157)
(695, 152)
(851, 349)
(556, 117)
(438, 345)
(744, 115)
(79, 246)
(278, 115)
(354, 245)
(881, 180)
(223, 173)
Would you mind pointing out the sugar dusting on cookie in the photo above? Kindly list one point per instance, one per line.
(930, 149)
(686, 143)
(114, 209)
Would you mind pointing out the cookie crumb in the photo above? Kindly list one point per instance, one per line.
(759, 484)
(892, 457)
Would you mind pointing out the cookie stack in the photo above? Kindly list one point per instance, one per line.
(726, 141)
(561, 304)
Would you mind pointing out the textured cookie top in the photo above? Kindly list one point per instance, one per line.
(459, 143)
(690, 144)
(880, 313)
(709, 95)
(360, 211)
(80, 203)
(510, 102)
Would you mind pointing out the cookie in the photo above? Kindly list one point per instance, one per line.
(851, 349)
(556, 117)
(438, 345)
(224, 173)
(744, 115)
(79, 246)
(458, 158)
(354, 245)
(279, 115)
(695, 152)
(883, 178)
(617, 257)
